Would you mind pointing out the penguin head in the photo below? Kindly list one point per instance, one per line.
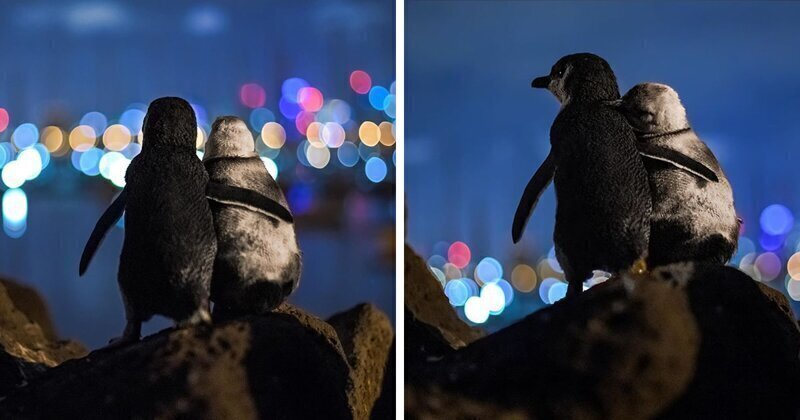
(653, 108)
(229, 137)
(583, 76)
(169, 121)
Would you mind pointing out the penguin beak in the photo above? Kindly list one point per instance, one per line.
(615, 103)
(541, 82)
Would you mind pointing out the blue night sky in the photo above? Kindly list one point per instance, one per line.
(476, 131)
(63, 59)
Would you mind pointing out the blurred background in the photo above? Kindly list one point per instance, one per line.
(476, 131)
(314, 80)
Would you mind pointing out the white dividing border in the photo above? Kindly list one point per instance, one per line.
(400, 87)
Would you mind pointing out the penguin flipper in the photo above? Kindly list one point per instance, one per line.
(536, 186)
(229, 194)
(109, 217)
(678, 160)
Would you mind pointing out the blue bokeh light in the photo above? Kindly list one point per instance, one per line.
(457, 292)
(776, 219)
(377, 96)
(347, 154)
(375, 169)
(25, 136)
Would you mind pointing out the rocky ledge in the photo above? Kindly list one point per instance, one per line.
(685, 341)
(288, 364)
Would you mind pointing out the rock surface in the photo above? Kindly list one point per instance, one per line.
(27, 348)
(681, 342)
(432, 328)
(366, 336)
(287, 364)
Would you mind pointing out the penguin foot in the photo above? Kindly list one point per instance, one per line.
(131, 334)
(639, 267)
(200, 316)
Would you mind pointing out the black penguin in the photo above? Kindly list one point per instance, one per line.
(258, 261)
(693, 219)
(603, 211)
(168, 253)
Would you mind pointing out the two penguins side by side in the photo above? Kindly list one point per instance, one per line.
(634, 184)
(222, 232)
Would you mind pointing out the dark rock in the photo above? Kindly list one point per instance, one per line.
(287, 364)
(366, 335)
(623, 349)
(26, 348)
(385, 406)
(432, 327)
(685, 341)
(749, 360)
(28, 301)
(434, 404)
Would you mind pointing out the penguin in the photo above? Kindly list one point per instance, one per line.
(603, 210)
(258, 261)
(692, 219)
(168, 252)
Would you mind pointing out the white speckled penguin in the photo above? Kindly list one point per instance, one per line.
(258, 261)
(693, 219)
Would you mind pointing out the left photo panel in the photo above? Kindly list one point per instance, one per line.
(198, 209)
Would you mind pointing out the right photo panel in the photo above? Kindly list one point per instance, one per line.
(602, 209)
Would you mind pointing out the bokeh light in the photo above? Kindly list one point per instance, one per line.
(318, 157)
(377, 96)
(25, 136)
(544, 288)
(117, 137)
(459, 254)
(82, 137)
(333, 134)
(386, 133)
(310, 99)
(90, 161)
(288, 108)
(493, 297)
(13, 174)
(768, 265)
(259, 117)
(523, 277)
(200, 140)
(347, 154)
(252, 95)
(776, 219)
(488, 270)
(557, 292)
(273, 135)
(53, 140)
(96, 120)
(360, 82)
(15, 212)
(133, 119)
(476, 310)
(369, 133)
(291, 87)
(272, 168)
(457, 292)
(793, 266)
(30, 163)
(375, 169)
(4, 119)
(439, 274)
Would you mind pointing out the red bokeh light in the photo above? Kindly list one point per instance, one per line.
(459, 254)
(3, 119)
(360, 81)
(310, 99)
(252, 95)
